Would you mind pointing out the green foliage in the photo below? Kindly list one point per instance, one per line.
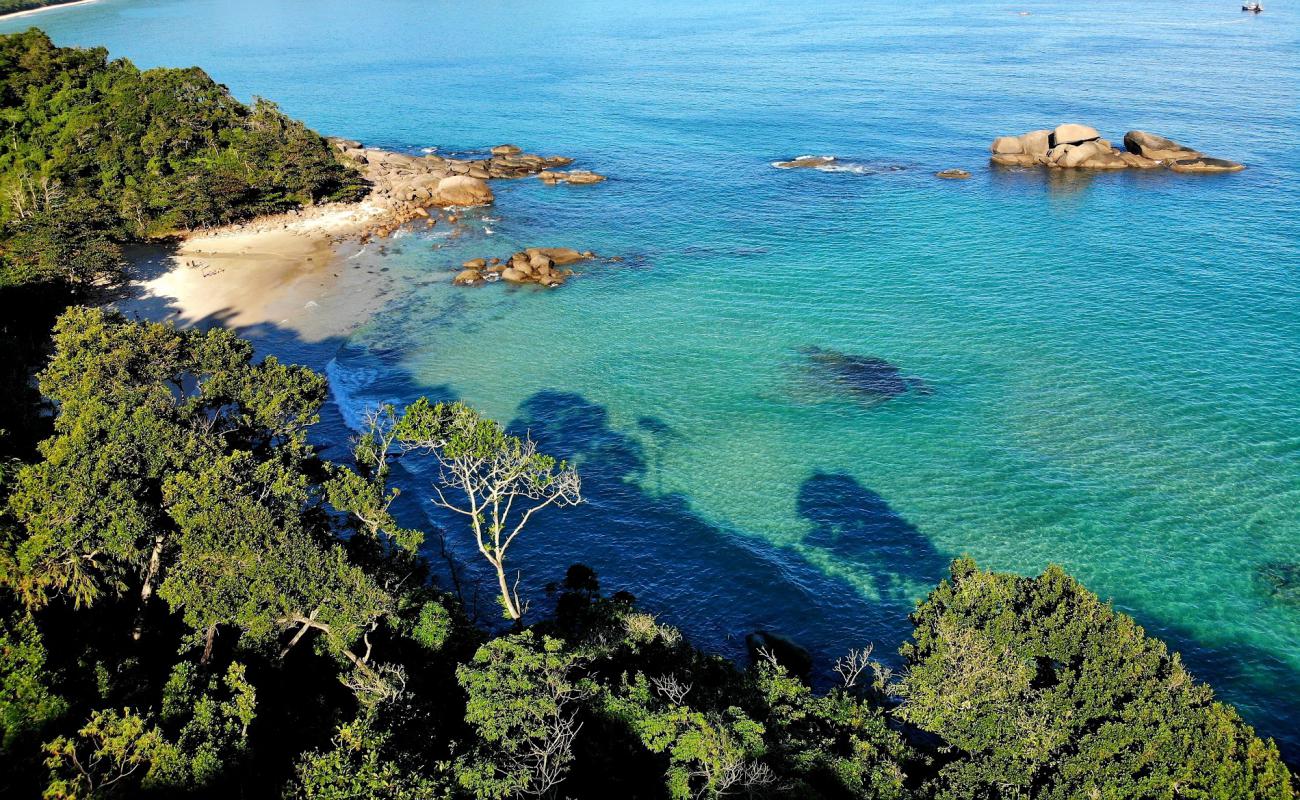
(106, 756)
(433, 627)
(521, 704)
(158, 150)
(211, 718)
(362, 766)
(834, 745)
(710, 753)
(177, 462)
(27, 704)
(1044, 691)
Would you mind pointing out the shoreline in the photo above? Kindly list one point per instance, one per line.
(286, 270)
(306, 270)
(30, 11)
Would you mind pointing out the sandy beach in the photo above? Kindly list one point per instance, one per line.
(301, 271)
(31, 11)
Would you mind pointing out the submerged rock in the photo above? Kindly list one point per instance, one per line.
(796, 659)
(866, 378)
(1281, 581)
(805, 162)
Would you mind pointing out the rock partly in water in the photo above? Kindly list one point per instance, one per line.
(544, 266)
(1008, 145)
(952, 174)
(1157, 148)
(468, 277)
(462, 190)
(1014, 159)
(1205, 164)
(1074, 146)
(805, 162)
(866, 378)
(576, 177)
(763, 645)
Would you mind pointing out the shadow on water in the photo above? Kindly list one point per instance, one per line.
(859, 528)
(714, 583)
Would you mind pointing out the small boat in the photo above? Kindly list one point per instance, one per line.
(1253, 8)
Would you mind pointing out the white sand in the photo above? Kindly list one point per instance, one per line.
(30, 11)
(295, 271)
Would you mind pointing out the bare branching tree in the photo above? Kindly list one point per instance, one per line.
(495, 480)
(671, 688)
(851, 666)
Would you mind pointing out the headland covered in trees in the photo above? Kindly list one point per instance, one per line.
(195, 603)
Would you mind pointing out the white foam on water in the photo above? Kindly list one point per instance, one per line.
(352, 389)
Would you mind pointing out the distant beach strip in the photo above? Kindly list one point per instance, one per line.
(10, 9)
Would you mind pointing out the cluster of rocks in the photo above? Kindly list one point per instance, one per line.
(404, 186)
(539, 265)
(1074, 146)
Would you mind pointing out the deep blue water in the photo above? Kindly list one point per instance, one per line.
(1111, 362)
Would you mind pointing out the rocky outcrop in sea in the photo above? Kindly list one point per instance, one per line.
(404, 186)
(1075, 146)
(544, 266)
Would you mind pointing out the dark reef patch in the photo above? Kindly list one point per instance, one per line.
(1280, 580)
(867, 379)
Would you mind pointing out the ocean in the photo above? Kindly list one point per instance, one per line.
(801, 393)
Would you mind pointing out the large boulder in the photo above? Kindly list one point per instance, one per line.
(1035, 143)
(559, 255)
(1149, 145)
(581, 176)
(505, 150)
(1205, 164)
(1073, 133)
(1079, 154)
(1008, 145)
(462, 190)
(952, 173)
(467, 277)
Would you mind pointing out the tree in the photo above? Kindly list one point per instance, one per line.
(834, 745)
(27, 704)
(1041, 690)
(108, 755)
(361, 766)
(498, 481)
(522, 703)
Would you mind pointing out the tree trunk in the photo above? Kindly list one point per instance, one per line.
(506, 597)
(207, 645)
(146, 591)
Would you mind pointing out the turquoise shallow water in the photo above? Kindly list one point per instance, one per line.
(1113, 360)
